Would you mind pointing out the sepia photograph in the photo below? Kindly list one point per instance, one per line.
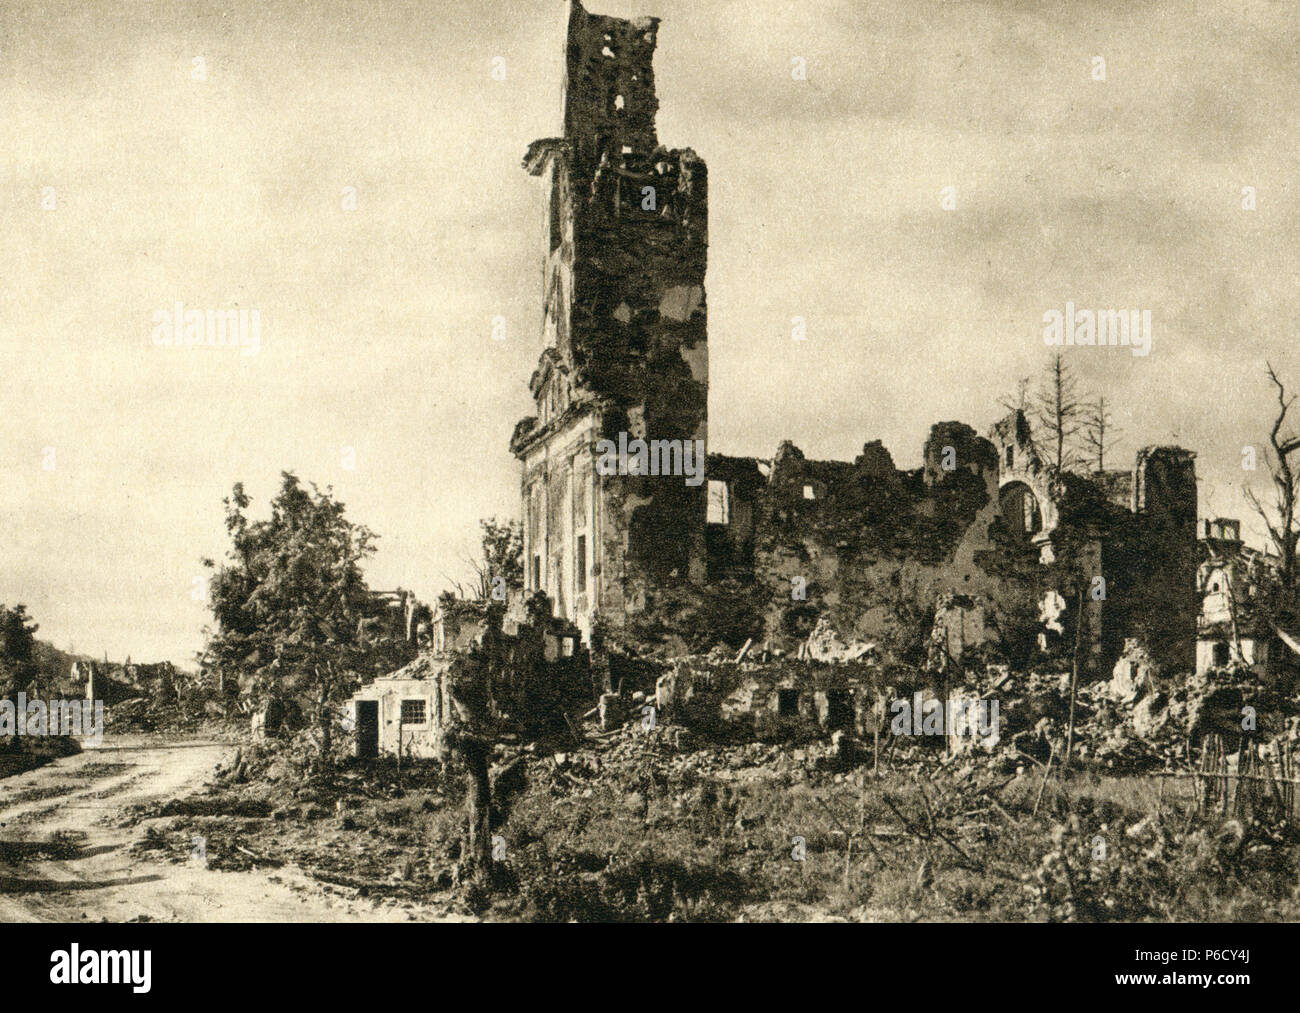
(639, 461)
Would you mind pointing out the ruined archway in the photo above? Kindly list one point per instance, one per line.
(1020, 511)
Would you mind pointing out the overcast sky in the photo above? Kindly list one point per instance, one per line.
(133, 176)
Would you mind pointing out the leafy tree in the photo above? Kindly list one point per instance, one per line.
(290, 603)
(18, 668)
(503, 557)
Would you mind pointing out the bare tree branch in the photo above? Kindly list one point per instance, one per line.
(1058, 413)
(1098, 431)
(1280, 520)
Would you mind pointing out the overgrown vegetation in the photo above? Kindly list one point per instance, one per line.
(293, 613)
(652, 827)
(18, 669)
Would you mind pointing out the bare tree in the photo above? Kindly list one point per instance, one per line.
(1098, 431)
(1020, 400)
(469, 738)
(1280, 518)
(1058, 412)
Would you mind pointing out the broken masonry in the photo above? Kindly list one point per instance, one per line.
(868, 546)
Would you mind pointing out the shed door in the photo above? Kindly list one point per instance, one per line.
(367, 728)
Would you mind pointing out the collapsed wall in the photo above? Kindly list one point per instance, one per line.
(775, 701)
(985, 535)
(984, 546)
(874, 549)
(490, 669)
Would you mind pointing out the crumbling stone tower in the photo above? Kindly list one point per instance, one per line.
(624, 337)
(1165, 500)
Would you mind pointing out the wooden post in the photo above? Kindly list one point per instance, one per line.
(1074, 686)
(476, 752)
(1047, 772)
(1223, 775)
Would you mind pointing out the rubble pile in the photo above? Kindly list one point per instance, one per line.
(1140, 720)
(633, 810)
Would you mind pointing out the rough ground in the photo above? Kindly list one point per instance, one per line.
(637, 826)
(63, 858)
(627, 826)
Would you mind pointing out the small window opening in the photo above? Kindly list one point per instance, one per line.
(809, 493)
(580, 561)
(413, 712)
(787, 703)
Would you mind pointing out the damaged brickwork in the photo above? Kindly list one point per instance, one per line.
(984, 538)
(624, 335)
(513, 668)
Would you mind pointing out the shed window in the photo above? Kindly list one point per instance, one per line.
(413, 712)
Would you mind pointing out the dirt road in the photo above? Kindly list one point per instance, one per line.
(62, 860)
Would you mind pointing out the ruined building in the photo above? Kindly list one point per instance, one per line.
(624, 335)
(516, 674)
(1235, 624)
(984, 542)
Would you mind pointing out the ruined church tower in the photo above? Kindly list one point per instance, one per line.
(624, 352)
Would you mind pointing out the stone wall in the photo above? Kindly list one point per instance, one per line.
(625, 332)
(877, 550)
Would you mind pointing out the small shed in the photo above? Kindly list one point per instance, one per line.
(401, 712)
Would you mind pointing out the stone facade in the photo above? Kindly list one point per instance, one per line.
(624, 334)
(984, 529)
